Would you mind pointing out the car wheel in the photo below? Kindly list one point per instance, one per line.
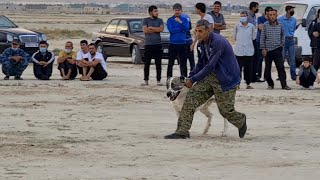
(100, 49)
(136, 55)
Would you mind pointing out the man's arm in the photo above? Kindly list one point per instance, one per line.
(157, 29)
(25, 56)
(34, 59)
(61, 57)
(145, 27)
(5, 56)
(52, 58)
(216, 52)
(72, 60)
(263, 37)
(282, 36)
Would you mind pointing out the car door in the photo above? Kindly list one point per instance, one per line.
(122, 37)
(107, 37)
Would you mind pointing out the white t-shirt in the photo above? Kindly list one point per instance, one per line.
(97, 56)
(80, 55)
(209, 18)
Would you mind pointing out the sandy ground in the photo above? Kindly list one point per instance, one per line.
(113, 129)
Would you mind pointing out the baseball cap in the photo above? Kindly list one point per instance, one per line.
(289, 7)
(177, 6)
(15, 41)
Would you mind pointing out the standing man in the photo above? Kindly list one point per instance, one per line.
(14, 61)
(261, 20)
(80, 54)
(252, 18)
(95, 63)
(316, 57)
(209, 78)
(289, 25)
(190, 51)
(200, 9)
(219, 23)
(152, 27)
(272, 42)
(313, 40)
(244, 49)
(67, 62)
(177, 26)
(43, 62)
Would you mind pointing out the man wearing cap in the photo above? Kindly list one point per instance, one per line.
(289, 25)
(14, 61)
(43, 62)
(216, 73)
(178, 27)
(219, 23)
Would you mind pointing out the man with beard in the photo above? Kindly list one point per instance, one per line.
(95, 63)
(152, 27)
(289, 25)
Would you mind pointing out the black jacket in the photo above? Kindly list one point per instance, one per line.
(316, 28)
(313, 40)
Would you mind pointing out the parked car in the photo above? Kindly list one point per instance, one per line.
(124, 37)
(28, 39)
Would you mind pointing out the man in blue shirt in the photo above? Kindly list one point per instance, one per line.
(289, 24)
(178, 27)
(14, 61)
(216, 73)
(261, 20)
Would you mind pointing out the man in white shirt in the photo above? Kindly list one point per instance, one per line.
(244, 48)
(201, 9)
(80, 54)
(96, 64)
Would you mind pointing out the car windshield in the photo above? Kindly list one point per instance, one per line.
(6, 23)
(136, 26)
(299, 10)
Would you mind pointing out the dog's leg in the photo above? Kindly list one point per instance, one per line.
(225, 128)
(206, 112)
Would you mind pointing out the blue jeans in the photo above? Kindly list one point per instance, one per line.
(13, 68)
(289, 47)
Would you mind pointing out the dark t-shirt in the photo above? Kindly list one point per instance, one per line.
(152, 38)
(217, 19)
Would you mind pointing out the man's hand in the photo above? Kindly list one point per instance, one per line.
(260, 26)
(45, 64)
(318, 78)
(151, 29)
(315, 34)
(178, 20)
(264, 52)
(218, 24)
(297, 81)
(42, 63)
(188, 83)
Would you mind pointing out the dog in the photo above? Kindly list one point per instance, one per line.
(177, 92)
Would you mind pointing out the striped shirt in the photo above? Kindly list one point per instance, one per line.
(272, 36)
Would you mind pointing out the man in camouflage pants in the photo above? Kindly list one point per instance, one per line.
(216, 73)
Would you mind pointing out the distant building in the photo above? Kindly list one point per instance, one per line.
(12, 7)
(95, 10)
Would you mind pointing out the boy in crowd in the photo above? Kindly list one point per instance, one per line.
(95, 63)
(80, 54)
(307, 74)
(67, 62)
(42, 62)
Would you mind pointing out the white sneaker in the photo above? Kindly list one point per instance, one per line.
(301, 87)
(311, 87)
(159, 83)
(145, 83)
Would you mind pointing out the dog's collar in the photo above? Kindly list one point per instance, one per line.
(176, 94)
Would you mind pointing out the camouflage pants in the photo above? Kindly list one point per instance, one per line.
(199, 94)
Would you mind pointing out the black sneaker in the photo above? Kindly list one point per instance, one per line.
(6, 78)
(243, 129)
(270, 87)
(18, 78)
(177, 136)
(286, 88)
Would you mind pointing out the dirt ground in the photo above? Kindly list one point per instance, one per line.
(113, 129)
